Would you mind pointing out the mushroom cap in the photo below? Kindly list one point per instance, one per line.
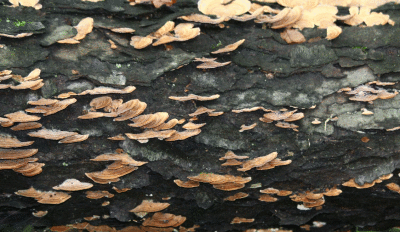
(30, 169)
(229, 186)
(182, 135)
(232, 162)
(84, 27)
(238, 220)
(43, 102)
(123, 30)
(333, 32)
(33, 75)
(108, 174)
(292, 36)
(148, 134)
(258, 162)
(17, 163)
(306, 4)
(230, 47)
(185, 31)
(100, 102)
(125, 158)
(10, 142)
(21, 116)
(236, 196)
(231, 155)
(73, 185)
(267, 198)
(168, 125)
(216, 179)
(149, 207)
(53, 198)
(140, 42)
(270, 191)
(201, 110)
(202, 19)
(26, 126)
(167, 27)
(191, 126)
(51, 134)
(164, 220)
(113, 106)
(98, 194)
(91, 115)
(74, 138)
(195, 97)
(108, 90)
(294, 117)
(31, 192)
(394, 187)
(187, 184)
(134, 112)
(17, 153)
(40, 213)
(212, 64)
(220, 9)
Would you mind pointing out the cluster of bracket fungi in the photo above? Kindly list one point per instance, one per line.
(294, 17)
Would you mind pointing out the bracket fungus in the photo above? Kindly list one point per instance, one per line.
(194, 97)
(49, 197)
(164, 220)
(11, 142)
(352, 183)
(238, 220)
(73, 185)
(26, 126)
(108, 90)
(249, 127)
(148, 206)
(98, 194)
(230, 47)
(84, 27)
(187, 184)
(236, 196)
(223, 9)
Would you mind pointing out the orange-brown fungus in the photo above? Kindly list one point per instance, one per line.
(164, 220)
(73, 185)
(187, 184)
(149, 207)
(98, 194)
(236, 196)
(238, 220)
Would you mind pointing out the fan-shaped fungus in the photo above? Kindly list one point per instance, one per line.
(73, 185)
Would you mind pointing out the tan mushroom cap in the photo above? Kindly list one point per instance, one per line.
(31, 192)
(140, 42)
(108, 174)
(286, 125)
(278, 115)
(202, 19)
(20, 35)
(40, 213)
(102, 181)
(17, 163)
(53, 198)
(229, 186)
(168, 125)
(4, 73)
(201, 110)
(270, 191)
(182, 135)
(294, 117)
(123, 30)
(294, 15)
(316, 121)
(394, 187)
(185, 31)
(191, 126)
(74, 138)
(164, 220)
(98, 194)
(148, 134)
(164, 40)
(113, 107)
(51, 134)
(30, 169)
(66, 95)
(204, 59)
(73, 185)
(332, 192)
(212, 64)
(108, 90)
(221, 8)
(230, 47)
(121, 190)
(292, 36)
(21, 116)
(100, 102)
(306, 4)
(149, 207)
(236, 196)
(84, 27)
(160, 118)
(91, 115)
(10, 142)
(195, 97)
(167, 27)
(219, 179)
(364, 97)
(231, 155)
(43, 102)
(333, 32)
(187, 184)
(33, 75)
(134, 112)
(258, 162)
(267, 198)
(238, 220)
(26, 126)
(232, 162)
(125, 158)
(17, 153)
(68, 41)
(251, 109)
(52, 109)
(352, 183)
(274, 163)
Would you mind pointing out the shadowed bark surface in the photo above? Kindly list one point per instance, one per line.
(265, 71)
